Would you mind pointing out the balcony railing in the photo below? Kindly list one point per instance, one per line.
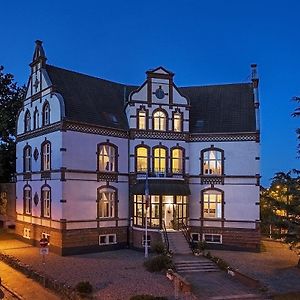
(160, 173)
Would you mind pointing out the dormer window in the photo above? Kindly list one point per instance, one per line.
(177, 122)
(160, 120)
(46, 114)
(142, 120)
(27, 121)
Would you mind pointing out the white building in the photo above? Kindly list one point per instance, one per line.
(84, 146)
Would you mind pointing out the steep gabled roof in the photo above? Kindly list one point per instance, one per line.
(89, 99)
(221, 108)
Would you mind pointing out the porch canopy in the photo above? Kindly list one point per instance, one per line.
(162, 187)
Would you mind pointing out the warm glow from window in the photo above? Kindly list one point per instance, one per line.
(107, 158)
(46, 201)
(177, 161)
(177, 122)
(160, 160)
(142, 159)
(160, 121)
(142, 120)
(27, 200)
(212, 204)
(106, 203)
(212, 162)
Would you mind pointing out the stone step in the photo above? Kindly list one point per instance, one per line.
(238, 297)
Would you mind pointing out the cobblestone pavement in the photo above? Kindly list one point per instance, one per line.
(275, 266)
(115, 274)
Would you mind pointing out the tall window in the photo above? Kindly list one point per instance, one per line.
(141, 159)
(27, 159)
(177, 160)
(46, 201)
(106, 202)
(212, 204)
(107, 158)
(46, 156)
(160, 160)
(177, 122)
(46, 114)
(36, 119)
(212, 162)
(142, 120)
(160, 120)
(27, 121)
(27, 199)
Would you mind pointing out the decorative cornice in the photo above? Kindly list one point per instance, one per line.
(162, 135)
(224, 137)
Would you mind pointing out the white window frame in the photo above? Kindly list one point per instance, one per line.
(212, 162)
(160, 120)
(27, 159)
(213, 235)
(46, 198)
(177, 122)
(148, 240)
(46, 152)
(46, 114)
(46, 236)
(107, 236)
(218, 205)
(107, 158)
(106, 206)
(26, 233)
(142, 120)
(195, 234)
(27, 200)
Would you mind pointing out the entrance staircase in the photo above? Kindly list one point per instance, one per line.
(190, 264)
(177, 243)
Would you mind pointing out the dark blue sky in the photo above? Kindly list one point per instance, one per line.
(202, 42)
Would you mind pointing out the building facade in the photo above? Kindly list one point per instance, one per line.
(86, 148)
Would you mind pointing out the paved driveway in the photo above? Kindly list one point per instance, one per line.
(275, 266)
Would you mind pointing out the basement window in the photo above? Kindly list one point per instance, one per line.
(195, 237)
(26, 233)
(213, 238)
(46, 236)
(148, 240)
(107, 239)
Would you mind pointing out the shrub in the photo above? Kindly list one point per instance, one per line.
(201, 245)
(158, 248)
(223, 265)
(158, 263)
(147, 297)
(84, 287)
(208, 255)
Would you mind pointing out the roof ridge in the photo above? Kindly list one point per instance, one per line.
(215, 85)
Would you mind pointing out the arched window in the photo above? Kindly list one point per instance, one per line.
(46, 114)
(142, 119)
(27, 121)
(46, 156)
(36, 119)
(107, 199)
(159, 160)
(177, 122)
(212, 161)
(160, 120)
(177, 161)
(212, 204)
(27, 158)
(107, 157)
(46, 201)
(142, 159)
(27, 199)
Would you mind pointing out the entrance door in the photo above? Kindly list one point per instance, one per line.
(169, 209)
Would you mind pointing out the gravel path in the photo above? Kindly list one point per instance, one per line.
(115, 274)
(275, 266)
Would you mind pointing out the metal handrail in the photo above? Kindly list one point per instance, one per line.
(186, 234)
(166, 239)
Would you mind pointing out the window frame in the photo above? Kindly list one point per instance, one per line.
(142, 110)
(27, 121)
(137, 157)
(116, 156)
(182, 171)
(220, 192)
(154, 158)
(46, 188)
(222, 160)
(36, 122)
(114, 190)
(43, 155)
(27, 200)
(174, 113)
(27, 159)
(46, 118)
(166, 118)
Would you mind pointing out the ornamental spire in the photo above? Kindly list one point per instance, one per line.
(39, 54)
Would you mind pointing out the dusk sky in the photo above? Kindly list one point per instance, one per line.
(202, 42)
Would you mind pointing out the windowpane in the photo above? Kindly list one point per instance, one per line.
(160, 160)
(142, 120)
(27, 121)
(142, 159)
(46, 201)
(107, 158)
(46, 157)
(46, 114)
(177, 122)
(177, 161)
(212, 162)
(106, 203)
(27, 200)
(27, 159)
(212, 204)
(159, 121)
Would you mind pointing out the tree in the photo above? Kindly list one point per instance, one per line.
(296, 113)
(11, 96)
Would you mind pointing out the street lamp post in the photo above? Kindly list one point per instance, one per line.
(147, 200)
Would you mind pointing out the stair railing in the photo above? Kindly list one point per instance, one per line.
(186, 234)
(165, 234)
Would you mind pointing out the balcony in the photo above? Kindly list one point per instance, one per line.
(160, 173)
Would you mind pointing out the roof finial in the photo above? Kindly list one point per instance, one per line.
(39, 53)
(254, 75)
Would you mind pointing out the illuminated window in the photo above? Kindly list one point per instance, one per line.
(46, 156)
(27, 159)
(177, 122)
(141, 159)
(212, 204)
(107, 158)
(27, 199)
(160, 160)
(46, 114)
(106, 202)
(46, 201)
(159, 121)
(27, 121)
(177, 160)
(212, 162)
(142, 120)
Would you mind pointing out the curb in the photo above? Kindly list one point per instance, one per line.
(11, 291)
